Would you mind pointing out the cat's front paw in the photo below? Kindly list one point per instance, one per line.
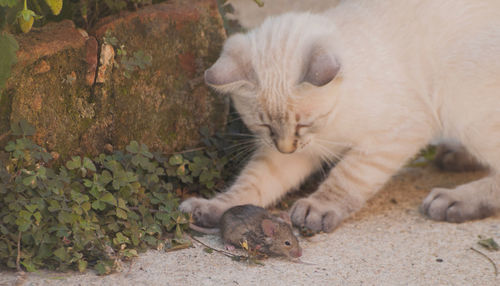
(315, 215)
(454, 205)
(205, 213)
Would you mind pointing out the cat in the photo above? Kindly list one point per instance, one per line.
(369, 82)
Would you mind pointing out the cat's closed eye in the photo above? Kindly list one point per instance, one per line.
(271, 131)
(300, 127)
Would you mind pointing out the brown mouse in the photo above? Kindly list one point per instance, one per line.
(269, 234)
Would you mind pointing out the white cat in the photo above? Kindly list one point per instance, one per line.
(370, 82)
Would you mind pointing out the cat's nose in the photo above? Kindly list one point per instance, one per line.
(286, 146)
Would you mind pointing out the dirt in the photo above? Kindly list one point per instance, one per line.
(389, 242)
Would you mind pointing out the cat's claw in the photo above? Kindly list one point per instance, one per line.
(315, 215)
(450, 205)
(205, 213)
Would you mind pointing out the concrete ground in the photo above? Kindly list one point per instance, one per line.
(388, 243)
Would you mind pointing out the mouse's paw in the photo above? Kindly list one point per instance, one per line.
(316, 215)
(205, 213)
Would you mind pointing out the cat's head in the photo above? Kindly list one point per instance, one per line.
(280, 77)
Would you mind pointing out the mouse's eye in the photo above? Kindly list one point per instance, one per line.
(287, 243)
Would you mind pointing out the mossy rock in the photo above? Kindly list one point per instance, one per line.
(162, 105)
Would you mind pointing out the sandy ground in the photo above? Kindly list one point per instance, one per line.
(388, 243)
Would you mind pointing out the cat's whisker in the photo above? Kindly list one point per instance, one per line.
(246, 142)
(244, 153)
(240, 135)
(234, 119)
(331, 157)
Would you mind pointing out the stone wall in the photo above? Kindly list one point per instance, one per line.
(163, 104)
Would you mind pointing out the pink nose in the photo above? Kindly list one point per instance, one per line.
(296, 253)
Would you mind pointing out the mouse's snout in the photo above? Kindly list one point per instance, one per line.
(295, 253)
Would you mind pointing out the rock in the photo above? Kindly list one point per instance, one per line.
(91, 46)
(41, 67)
(105, 63)
(46, 41)
(154, 94)
(164, 105)
(49, 100)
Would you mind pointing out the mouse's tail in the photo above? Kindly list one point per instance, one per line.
(203, 229)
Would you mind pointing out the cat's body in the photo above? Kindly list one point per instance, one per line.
(373, 82)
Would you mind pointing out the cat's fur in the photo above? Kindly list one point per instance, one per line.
(371, 82)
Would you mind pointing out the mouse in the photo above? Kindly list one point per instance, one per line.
(268, 233)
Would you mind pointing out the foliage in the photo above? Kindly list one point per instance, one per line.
(8, 46)
(139, 60)
(83, 12)
(95, 212)
(488, 243)
(259, 2)
(424, 157)
(21, 15)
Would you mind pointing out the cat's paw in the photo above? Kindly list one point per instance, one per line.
(454, 205)
(205, 213)
(315, 215)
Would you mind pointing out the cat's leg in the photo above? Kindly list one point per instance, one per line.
(452, 156)
(475, 200)
(350, 183)
(266, 178)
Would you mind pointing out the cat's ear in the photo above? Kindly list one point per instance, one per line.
(233, 69)
(320, 67)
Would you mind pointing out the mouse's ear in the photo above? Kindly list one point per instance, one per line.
(268, 227)
(285, 217)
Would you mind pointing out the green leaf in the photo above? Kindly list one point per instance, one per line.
(30, 181)
(98, 205)
(133, 147)
(145, 151)
(121, 213)
(8, 3)
(38, 217)
(25, 215)
(61, 253)
(53, 206)
(28, 264)
(82, 265)
(105, 177)
(31, 207)
(88, 164)
(108, 198)
(489, 243)
(104, 267)
(75, 163)
(176, 160)
(129, 253)
(55, 6)
(9, 47)
(122, 204)
(120, 239)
